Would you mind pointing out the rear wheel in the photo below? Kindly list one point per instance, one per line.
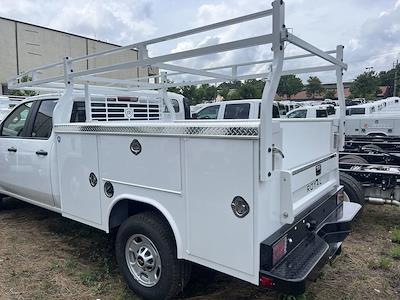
(146, 254)
(353, 190)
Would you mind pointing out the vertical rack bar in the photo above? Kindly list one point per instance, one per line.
(341, 98)
(165, 98)
(88, 108)
(271, 85)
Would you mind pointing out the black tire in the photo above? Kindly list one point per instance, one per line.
(1, 202)
(352, 188)
(174, 273)
(350, 158)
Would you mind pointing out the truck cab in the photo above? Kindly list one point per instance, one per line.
(318, 111)
(233, 109)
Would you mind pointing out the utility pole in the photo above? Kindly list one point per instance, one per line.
(395, 79)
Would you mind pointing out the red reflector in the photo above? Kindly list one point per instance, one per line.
(279, 250)
(265, 281)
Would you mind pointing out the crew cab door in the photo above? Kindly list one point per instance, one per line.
(37, 152)
(29, 173)
(12, 133)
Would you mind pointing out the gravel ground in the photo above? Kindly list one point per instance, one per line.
(45, 256)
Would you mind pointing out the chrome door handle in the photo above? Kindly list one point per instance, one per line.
(41, 152)
(12, 149)
(278, 151)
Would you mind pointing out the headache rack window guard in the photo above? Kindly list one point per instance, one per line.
(89, 81)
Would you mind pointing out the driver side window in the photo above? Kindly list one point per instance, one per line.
(15, 123)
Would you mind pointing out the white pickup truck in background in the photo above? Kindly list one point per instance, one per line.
(258, 199)
(7, 103)
(233, 109)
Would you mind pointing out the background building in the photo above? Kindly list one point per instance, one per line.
(24, 46)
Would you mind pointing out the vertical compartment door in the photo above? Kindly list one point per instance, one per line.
(79, 178)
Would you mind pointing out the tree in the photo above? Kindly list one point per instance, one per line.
(387, 78)
(330, 94)
(247, 91)
(23, 93)
(314, 87)
(289, 85)
(366, 85)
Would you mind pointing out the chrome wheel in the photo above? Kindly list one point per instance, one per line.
(143, 260)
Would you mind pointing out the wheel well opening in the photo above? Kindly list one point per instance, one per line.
(127, 208)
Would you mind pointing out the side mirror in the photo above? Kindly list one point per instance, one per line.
(194, 116)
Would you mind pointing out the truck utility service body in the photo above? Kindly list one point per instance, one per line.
(250, 199)
(378, 118)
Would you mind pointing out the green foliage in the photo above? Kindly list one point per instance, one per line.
(314, 87)
(289, 85)
(21, 93)
(330, 94)
(387, 78)
(395, 252)
(384, 263)
(234, 90)
(396, 236)
(366, 85)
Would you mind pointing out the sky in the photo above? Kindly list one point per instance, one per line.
(369, 29)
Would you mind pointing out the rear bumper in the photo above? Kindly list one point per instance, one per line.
(312, 240)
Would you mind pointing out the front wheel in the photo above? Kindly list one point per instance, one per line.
(146, 255)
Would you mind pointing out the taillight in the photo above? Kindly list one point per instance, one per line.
(279, 250)
(265, 281)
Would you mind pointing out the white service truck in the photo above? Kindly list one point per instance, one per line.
(256, 199)
(379, 118)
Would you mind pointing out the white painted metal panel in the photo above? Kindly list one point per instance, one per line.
(33, 171)
(305, 140)
(156, 167)
(77, 158)
(218, 172)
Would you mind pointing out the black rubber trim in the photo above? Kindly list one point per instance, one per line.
(315, 238)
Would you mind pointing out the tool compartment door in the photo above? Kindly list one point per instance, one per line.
(220, 170)
(77, 159)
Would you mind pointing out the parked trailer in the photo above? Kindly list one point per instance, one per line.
(266, 217)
